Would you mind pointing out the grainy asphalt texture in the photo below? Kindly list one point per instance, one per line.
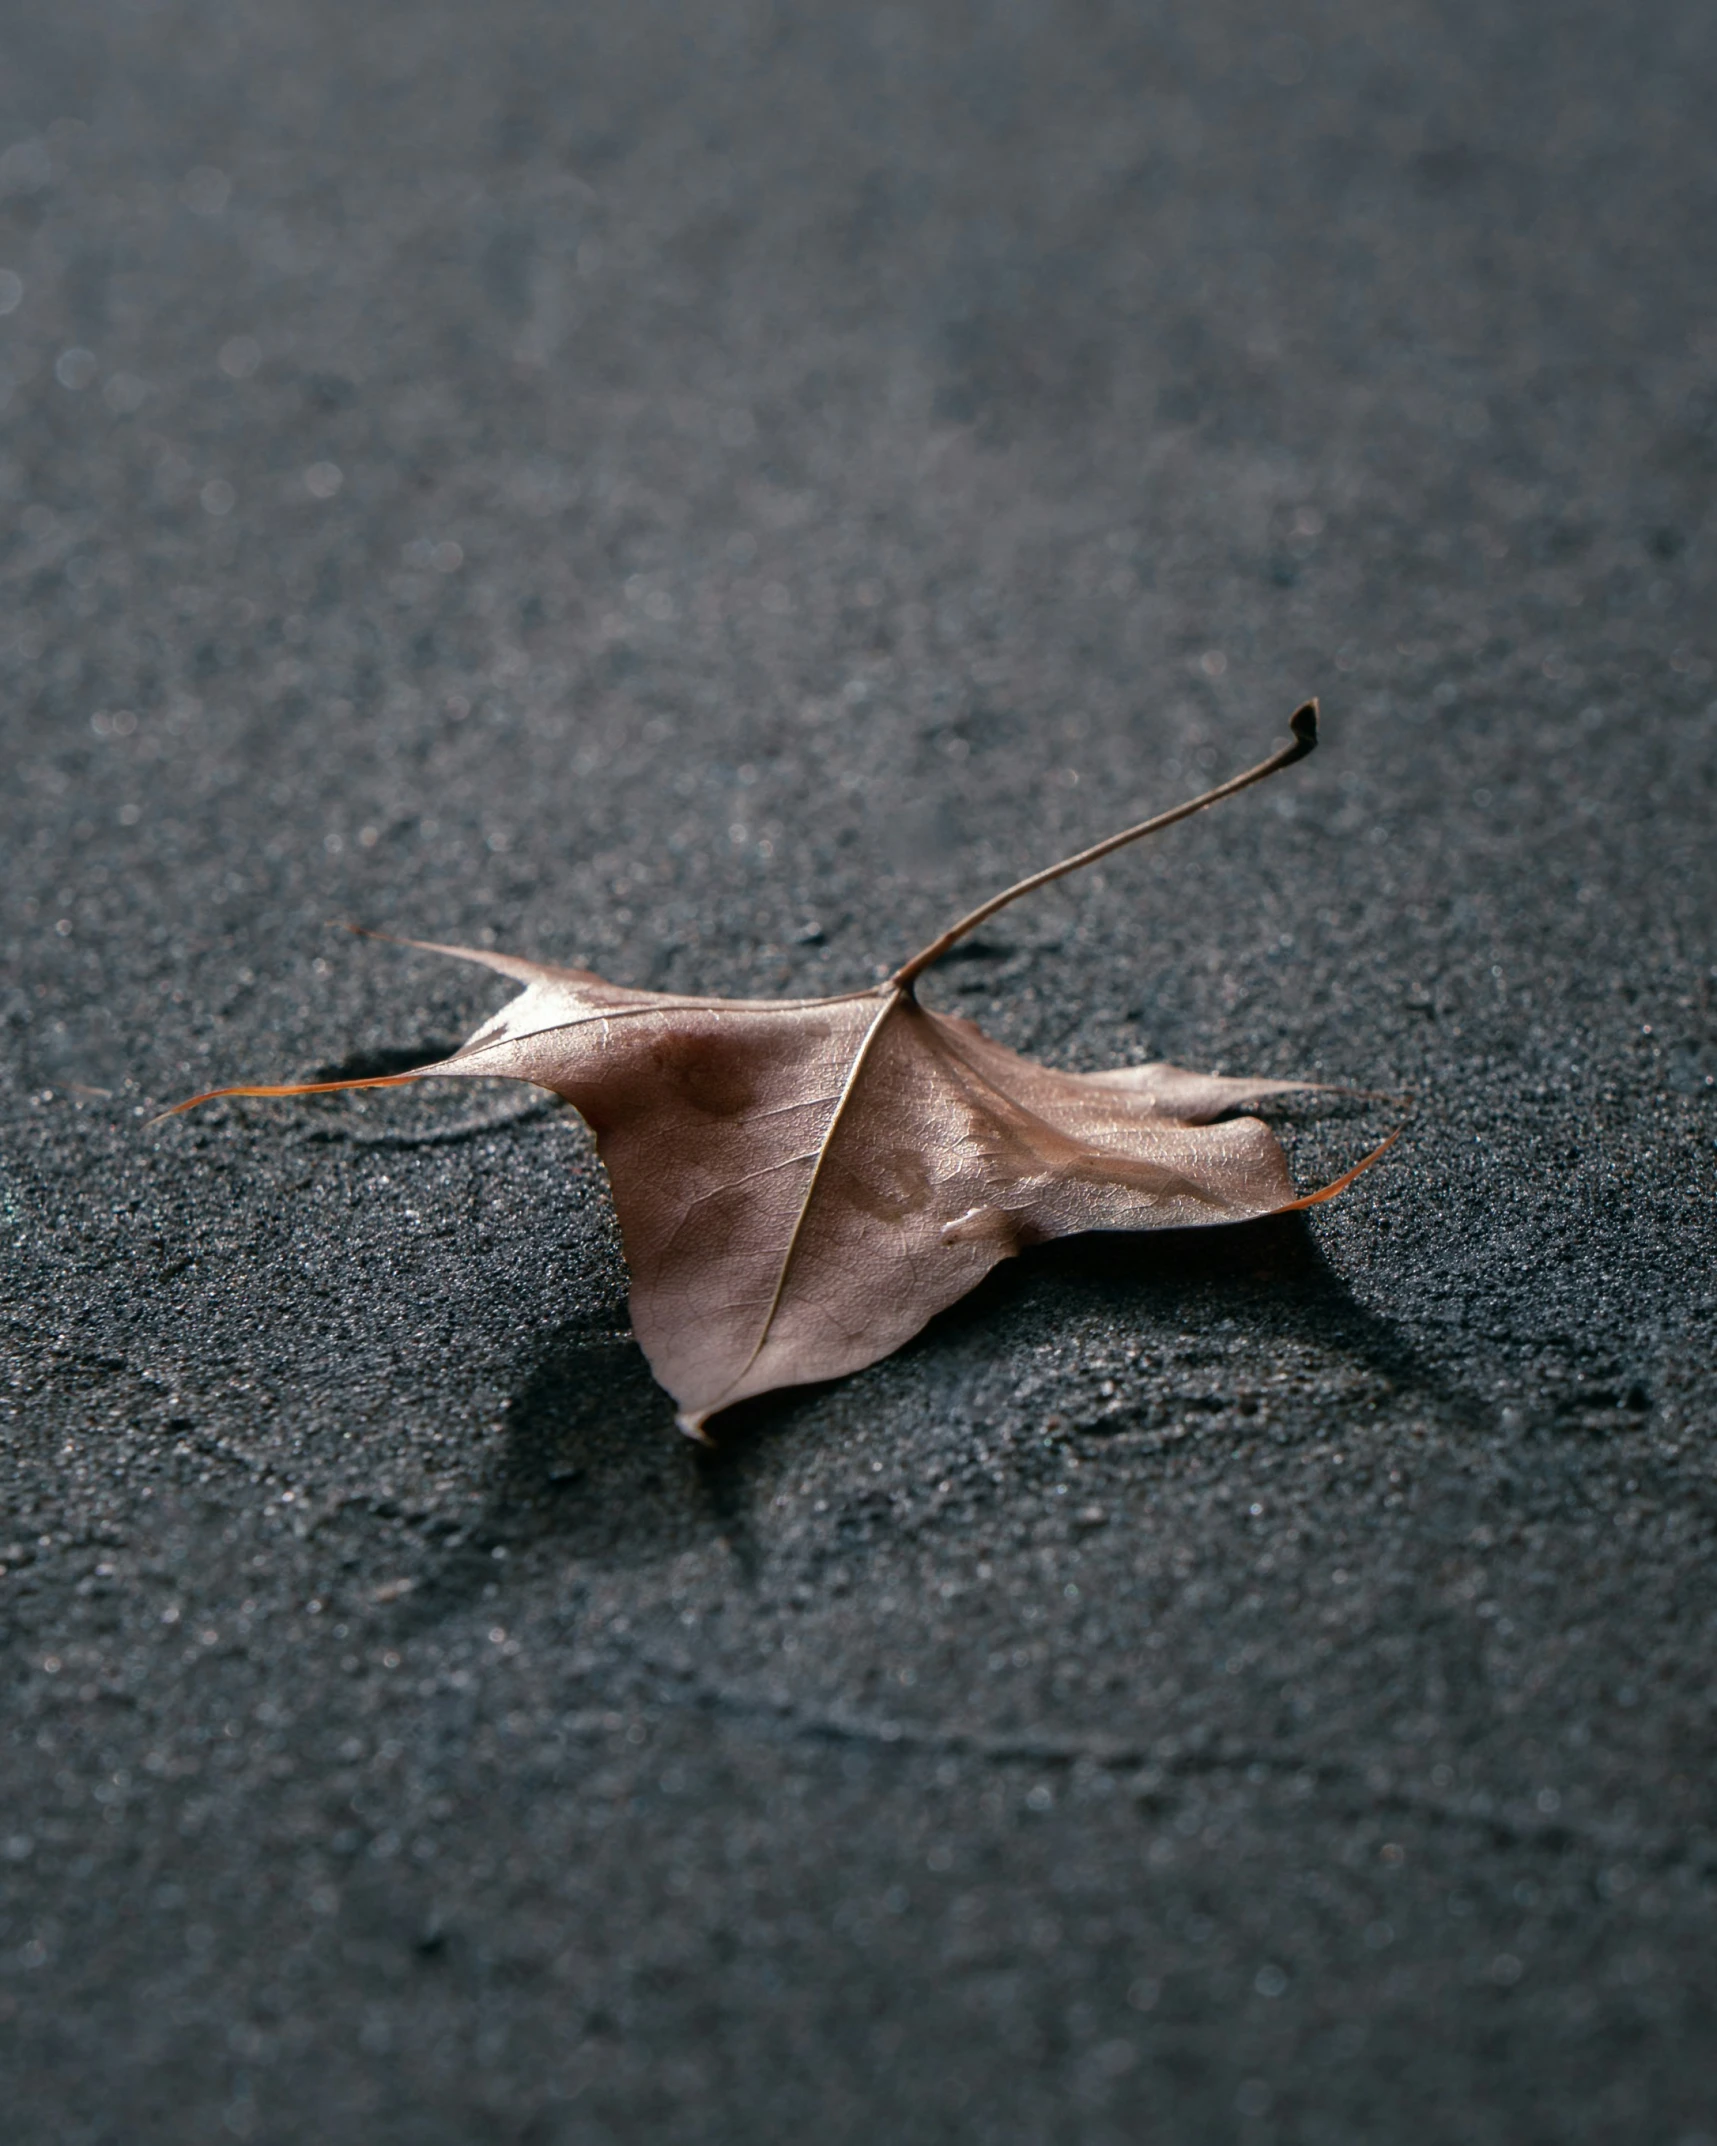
(709, 493)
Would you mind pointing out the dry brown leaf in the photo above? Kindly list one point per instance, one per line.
(803, 1183)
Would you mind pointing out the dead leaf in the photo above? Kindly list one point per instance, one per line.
(803, 1183)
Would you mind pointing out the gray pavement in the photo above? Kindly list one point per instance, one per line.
(709, 493)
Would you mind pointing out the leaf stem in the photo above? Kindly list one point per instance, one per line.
(1304, 725)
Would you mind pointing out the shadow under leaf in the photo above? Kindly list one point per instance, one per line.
(1270, 1276)
(591, 1461)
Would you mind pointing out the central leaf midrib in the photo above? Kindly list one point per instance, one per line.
(849, 1089)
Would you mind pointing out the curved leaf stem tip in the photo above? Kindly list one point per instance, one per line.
(1303, 723)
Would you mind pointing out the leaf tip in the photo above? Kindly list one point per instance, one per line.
(1339, 1185)
(693, 1428)
(1304, 724)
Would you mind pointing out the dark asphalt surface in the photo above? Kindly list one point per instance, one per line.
(710, 493)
